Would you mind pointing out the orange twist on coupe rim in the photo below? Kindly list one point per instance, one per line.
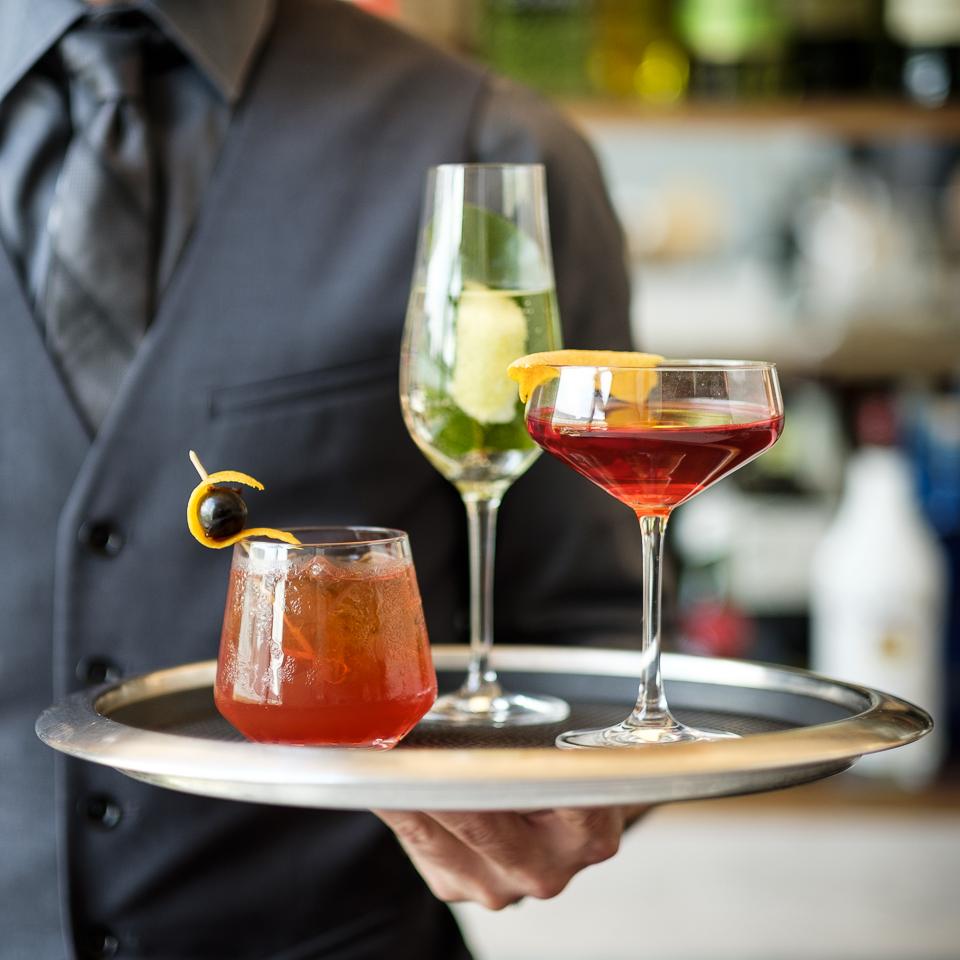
(531, 371)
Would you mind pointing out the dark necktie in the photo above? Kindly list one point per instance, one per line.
(96, 298)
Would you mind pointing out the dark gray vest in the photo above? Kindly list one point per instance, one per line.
(274, 351)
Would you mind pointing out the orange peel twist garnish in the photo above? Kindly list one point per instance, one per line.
(207, 482)
(537, 368)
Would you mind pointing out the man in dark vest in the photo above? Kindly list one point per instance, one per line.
(208, 214)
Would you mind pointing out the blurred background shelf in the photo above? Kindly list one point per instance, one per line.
(853, 119)
(900, 352)
(864, 352)
(839, 796)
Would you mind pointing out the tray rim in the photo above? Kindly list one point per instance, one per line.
(76, 726)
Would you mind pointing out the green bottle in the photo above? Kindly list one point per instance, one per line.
(738, 47)
(541, 43)
(636, 54)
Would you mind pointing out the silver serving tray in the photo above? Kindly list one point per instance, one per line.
(163, 728)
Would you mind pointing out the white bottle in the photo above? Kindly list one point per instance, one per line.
(878, 603)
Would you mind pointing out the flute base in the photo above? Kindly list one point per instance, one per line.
(632, 733)
(490, 706)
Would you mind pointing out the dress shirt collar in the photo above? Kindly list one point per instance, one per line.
(222, 47)
(28, 29)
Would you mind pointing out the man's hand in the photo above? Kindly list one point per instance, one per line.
(499, 858)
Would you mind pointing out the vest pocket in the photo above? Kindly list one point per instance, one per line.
(304, 389)
(330, 445)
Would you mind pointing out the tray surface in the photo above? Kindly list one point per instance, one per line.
(163, 728)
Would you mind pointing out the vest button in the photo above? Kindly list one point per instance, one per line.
(100, 944)
(96, 670)
(102, 537)
(101, 810)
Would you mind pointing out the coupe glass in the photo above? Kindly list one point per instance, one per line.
(482, 295)
(324, 643)
(653, 438)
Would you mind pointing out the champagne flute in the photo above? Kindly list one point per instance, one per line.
(653, 437)
(482, 296)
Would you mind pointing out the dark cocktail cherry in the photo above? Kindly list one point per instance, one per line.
(222, 513)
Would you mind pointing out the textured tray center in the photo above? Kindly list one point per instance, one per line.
(192, 713)
(581, 715)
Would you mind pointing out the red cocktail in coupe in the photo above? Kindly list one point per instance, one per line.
(324, 643)
(654, 465)
(653, 433)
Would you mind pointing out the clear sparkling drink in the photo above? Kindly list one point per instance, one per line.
(460, 407)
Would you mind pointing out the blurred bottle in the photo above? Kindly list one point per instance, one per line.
(635, 52)
(383, 8)
(929, 31)
(865, 254)
(934, 443)
(738, 47)
(839, 48)
(716, 628)
(542, 43)
(878, 593)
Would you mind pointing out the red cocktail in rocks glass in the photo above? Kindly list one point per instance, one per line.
(324, 643)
